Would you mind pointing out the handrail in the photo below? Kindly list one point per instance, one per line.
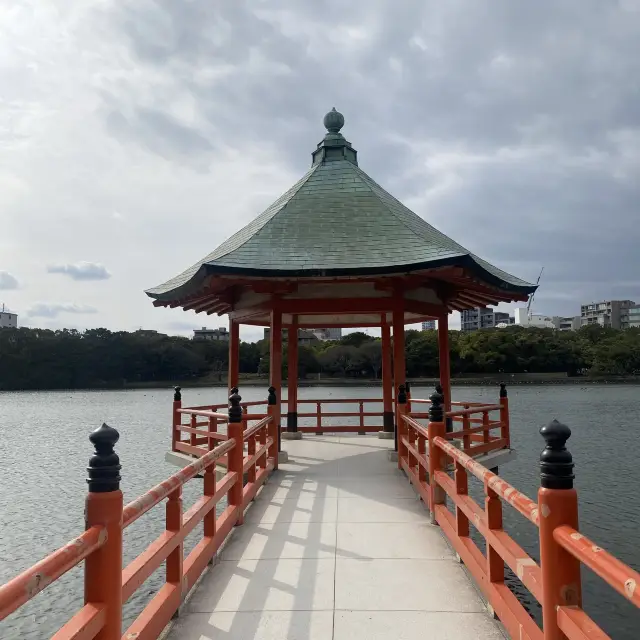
(32, 581)
(251, 431)
(157, 494)
(615, 573)
(554, 581)
(107, 585)
(205, 413)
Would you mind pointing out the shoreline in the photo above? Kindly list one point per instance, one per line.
(517, 380)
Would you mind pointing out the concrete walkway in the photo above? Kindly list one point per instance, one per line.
(336, 546)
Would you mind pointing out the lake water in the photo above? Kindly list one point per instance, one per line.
(44, 451)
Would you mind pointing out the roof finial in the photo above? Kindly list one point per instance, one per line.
(333, 121)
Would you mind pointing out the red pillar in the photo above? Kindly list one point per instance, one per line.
(444, 357)
(398, 354)
(387, 381)
(292, 379)
(234, 354)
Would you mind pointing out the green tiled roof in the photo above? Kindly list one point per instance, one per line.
(335, 221)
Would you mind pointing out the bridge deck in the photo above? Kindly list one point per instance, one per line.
(336, 546)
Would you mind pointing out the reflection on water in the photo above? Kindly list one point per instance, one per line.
(44, 452)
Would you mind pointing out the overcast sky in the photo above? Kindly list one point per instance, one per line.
(136, 136)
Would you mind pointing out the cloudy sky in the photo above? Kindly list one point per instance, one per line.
(136, 135)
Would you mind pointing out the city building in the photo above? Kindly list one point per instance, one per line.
(567, 323)
(309, 336)
(524, 318)
(633, 317)
(429, 325)
(483, 318)
(221, 334)
(608, 313)
(8, 319)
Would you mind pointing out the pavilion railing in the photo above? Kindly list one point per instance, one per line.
(555, 581)
(106, 585)
(477, 427)
(321, 414)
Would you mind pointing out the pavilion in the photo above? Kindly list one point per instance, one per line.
(337, 250)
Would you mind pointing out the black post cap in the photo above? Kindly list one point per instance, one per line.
(402, 394)
(235, 410)
(104, 466)
(556, 462)
(439, 389)
(235, 390)
(503, 390)
(407, 386)
(177, 395)
(436, 413)
(271, 398)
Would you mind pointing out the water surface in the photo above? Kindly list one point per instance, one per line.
(44, 452)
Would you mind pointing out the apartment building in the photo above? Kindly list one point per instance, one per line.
(8, 319)
(608, 313)
(221, 334)
(429, 325)
(483, 318)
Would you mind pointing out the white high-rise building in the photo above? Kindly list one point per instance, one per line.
(429, 325)
(8, 319)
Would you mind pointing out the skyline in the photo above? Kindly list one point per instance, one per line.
(513, 130)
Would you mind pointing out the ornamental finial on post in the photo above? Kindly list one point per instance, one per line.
(104, 466)
(556, 462)
(235, 410)
(436, 413)
(402, 394)
(177, 395)
(271, 398)
(503, 390)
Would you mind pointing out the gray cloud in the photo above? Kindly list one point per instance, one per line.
(512, 127)
(81, 270)
(8, 281)
(46, 310)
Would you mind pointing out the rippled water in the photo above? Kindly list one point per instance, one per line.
(44, 451)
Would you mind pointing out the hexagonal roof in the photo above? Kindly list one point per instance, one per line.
(335, 221)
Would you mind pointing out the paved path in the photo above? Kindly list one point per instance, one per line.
(336, 546)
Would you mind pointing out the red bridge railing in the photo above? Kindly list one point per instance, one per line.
(426, 456)
(107, 586)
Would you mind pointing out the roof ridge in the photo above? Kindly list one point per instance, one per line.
(272, 210)
(369, 181)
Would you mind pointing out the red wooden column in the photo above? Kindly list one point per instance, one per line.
(292, 379)
(399, 368)
(445, 361)
(234, 354)
(387, 382)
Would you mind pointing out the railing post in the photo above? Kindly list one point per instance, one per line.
(466, 438)
(193, 438)
(400, 425)
(212, 428)
(362, 432)
(209, 490)
(447, 419)
(462, 489)
(103, 506)
(407, 387)
(274, 431)
(435, 428)
(319, 431)
(557, 505)
(173, 514)
(493, 511)
(485, 424)
(504, 415)
(235, 457)
(176, 420)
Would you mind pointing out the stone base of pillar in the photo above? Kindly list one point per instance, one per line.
(385, 435)
(392, 456)
(283, 456)
(291, 435)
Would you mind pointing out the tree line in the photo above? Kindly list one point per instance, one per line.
(68, 359)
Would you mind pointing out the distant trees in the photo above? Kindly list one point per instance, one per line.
(43, 359)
